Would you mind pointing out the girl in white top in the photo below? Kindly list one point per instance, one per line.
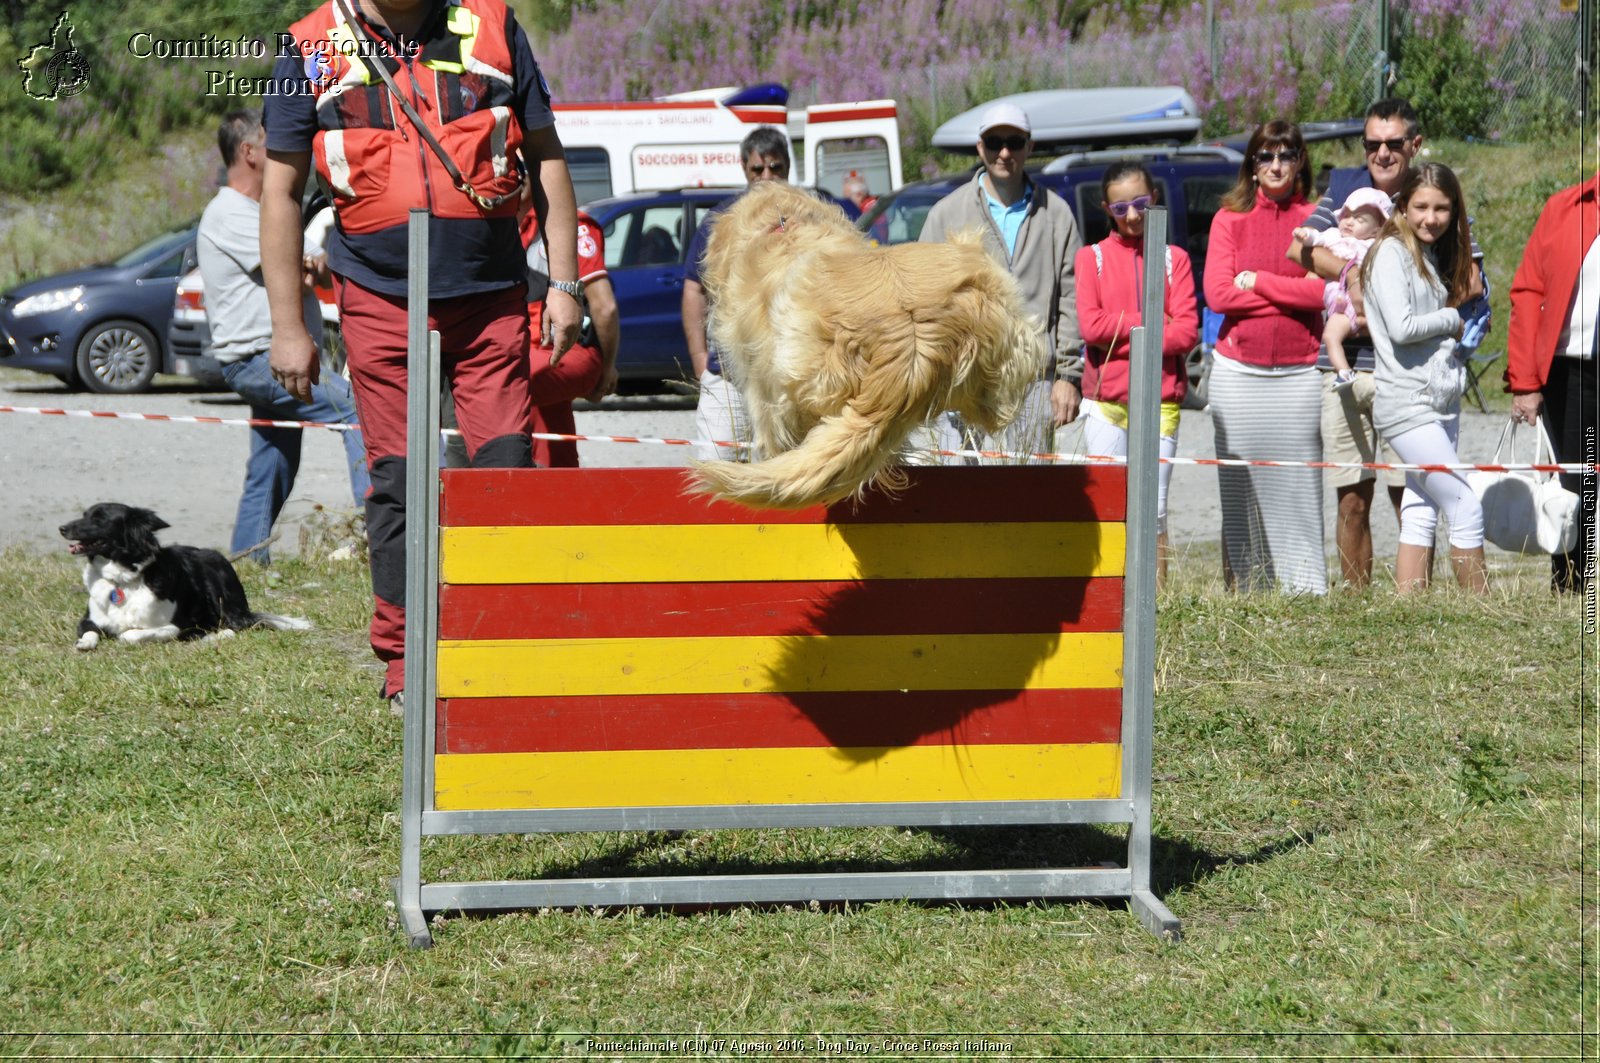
(1415, 278)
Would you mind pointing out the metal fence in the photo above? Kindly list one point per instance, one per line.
(1487, 68)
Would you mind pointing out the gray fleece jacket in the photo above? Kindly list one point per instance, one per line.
(1418, 377)
(1043, 261)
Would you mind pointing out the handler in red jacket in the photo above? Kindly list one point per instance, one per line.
(1550, 349)
(1110, 299)
(405, 104)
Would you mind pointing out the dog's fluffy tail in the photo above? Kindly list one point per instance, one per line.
(279, 623)
(839, 457)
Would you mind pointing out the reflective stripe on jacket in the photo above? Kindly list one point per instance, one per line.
(374, 164)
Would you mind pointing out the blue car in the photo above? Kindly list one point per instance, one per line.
(103, 327)
(647, 237)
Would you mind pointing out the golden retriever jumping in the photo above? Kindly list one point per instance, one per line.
(843, 349)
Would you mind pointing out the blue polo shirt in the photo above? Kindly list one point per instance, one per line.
(1009, 219)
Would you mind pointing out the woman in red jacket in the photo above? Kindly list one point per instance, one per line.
(1110, 295)
(1550, 350)
(1264, 391)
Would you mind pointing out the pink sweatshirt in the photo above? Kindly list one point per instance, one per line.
(1109, 299)
(1277, 325)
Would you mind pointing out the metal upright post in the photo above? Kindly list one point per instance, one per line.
(422, 523)
(1139, 574)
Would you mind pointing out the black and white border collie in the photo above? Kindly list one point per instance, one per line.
(141, 591)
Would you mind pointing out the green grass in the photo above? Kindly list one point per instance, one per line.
(1369, 813)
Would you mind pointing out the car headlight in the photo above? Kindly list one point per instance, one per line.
(45, 302)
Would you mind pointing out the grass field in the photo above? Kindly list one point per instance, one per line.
(1374, 816)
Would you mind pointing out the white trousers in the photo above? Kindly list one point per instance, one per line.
(1106, 439)
(1427, 493)
(719, 417)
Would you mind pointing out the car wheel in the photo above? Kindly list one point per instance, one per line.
(117, 358)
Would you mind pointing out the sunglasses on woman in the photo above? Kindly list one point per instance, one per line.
(1121, 207)
(1015, 143)
(1267, 158)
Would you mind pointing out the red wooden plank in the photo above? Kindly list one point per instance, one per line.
(877, 607)
(962, 494)
(749, 721)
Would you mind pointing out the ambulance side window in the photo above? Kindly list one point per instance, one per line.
(591, 173)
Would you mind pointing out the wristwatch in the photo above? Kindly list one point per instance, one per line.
(572, 288)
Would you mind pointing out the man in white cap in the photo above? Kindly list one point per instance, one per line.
(1031, 231)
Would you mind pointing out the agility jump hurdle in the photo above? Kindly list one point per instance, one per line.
(594, 650)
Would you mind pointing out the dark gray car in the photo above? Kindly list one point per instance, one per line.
(103, 327)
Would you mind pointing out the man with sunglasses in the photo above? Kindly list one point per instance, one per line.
(1031, 230)
(719, 413)
(1391, 139)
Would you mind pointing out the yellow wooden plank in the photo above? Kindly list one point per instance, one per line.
(701, 553)
(767, 664)
(658, 778)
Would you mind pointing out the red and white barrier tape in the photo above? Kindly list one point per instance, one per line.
(1000, 455)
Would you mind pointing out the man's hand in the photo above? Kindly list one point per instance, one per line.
(562, 319)
(316, 269)
(1526, 407)
(1064, 400)
(1479, 285)
(294, 362)
(1245, 281)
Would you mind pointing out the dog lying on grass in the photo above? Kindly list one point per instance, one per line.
(141, 591)
(843, 349)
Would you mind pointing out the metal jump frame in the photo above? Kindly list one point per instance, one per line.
(416, 899)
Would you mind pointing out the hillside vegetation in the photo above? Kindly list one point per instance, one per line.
(1259, 59)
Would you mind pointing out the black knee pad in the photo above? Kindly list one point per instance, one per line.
(386, 529)
(505, 452)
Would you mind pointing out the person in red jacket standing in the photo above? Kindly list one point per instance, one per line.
(1551, 350)
(1265, 392)
(589, 369)
(1110, 298)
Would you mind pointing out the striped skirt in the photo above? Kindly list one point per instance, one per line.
(1271, 518)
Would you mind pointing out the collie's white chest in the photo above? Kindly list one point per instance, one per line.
(119, 600)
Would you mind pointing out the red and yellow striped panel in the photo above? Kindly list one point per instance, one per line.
(607, 640)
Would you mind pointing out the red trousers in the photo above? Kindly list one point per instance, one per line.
(483, 342)
(554, 388)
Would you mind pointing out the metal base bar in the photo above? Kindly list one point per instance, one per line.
(412, 920)
(716, 817)
(777, 889)
(1156, 917)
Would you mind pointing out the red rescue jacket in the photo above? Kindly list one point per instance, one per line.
(374, 163)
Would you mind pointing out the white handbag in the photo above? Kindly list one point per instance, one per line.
(1526, 512)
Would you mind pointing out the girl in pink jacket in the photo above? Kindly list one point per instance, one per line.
(1110, 293)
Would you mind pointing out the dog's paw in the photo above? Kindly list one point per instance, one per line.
(216, 636)
(87, 641)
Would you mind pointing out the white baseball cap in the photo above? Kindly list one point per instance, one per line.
(1004, 114)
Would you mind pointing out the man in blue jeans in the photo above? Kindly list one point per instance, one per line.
(241, 337)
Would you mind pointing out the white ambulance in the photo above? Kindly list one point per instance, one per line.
(691, 140)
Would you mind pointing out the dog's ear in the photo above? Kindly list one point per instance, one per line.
(145, 520)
